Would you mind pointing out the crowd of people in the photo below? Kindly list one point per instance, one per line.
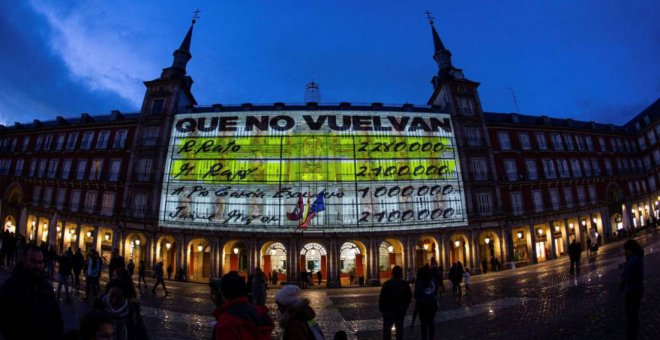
(29, 306)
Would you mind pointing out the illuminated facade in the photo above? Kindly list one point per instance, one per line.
(346, 190)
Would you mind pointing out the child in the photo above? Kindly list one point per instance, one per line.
(466, 279)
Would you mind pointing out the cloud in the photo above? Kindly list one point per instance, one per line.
(96, 50)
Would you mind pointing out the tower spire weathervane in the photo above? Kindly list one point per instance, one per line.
(195, 16)
(429, 16)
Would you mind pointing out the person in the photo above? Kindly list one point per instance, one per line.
(425, 301)
(78, 262)
(297, 320)
(130, 267)
(169, 271)
(273, 277)
(158, 272)
(259, 287)
(95, 325)
(393, 301)
(594, 246)
(632, 285)
(319, 277)
(436, 276)
(28, 307)
(303, 278)
(456, 276)
(589, 247)
(142, 274)
(92, 285)
(466, 280)
(236, 317)
(116, 261)
(484, 265)
(341, 335)
(122, 277)
(64, 272)
(574, 251)
(125, 315)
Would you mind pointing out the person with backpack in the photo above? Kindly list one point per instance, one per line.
(393, 302)
(297, 320)
(456, 276)
(236, 317)
(426, 302)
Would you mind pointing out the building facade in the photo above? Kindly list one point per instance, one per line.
(210, 189)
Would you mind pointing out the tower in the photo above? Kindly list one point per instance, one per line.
(312, 93)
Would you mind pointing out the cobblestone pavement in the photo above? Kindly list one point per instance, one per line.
(541, 301)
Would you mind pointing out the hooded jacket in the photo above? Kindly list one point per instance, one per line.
(239, 319)
(294, 321)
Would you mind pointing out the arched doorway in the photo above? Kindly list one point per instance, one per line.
(426, 251)
(521, 253)
(313, 258)
(199, 259)
(10, 224)
(459, 250)
(274, 262)
(390, 254)
(135, 248)
(166, 251)
(236, 258)
(489, 250)
(352, 263)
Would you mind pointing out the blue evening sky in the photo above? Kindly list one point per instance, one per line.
(590, 59)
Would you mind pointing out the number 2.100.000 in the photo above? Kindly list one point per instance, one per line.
(406, 216)
(404, 170)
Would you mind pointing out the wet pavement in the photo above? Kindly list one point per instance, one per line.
(541, 301)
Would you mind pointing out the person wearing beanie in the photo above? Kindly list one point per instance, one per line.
(236, 317)
(297, 320)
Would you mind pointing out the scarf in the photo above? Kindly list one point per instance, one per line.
(118, 316)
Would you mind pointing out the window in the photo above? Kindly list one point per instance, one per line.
(575, 166)
(641, 141)
(19, 167)
(48, 196)
(60, 142)
(580, 142)
(157, 107)
(107, 203)
(33, 167)
(465, 105)
(42, 168)
(80, 171)
(568, 197)
(484, 203)
(516, 203)
(540, 139)
(593, 195)
(71, 141)
(524, 141)
(564, 171)
(90, 201)
(614, 145)
(38, 143)
(66, 168)
(652, 185)
(5, 165)
(556, 141)
(478, 167)
(75, 200)
(582, 200)
(102, 139)
(473, 137)
(554, 198)
(651, 137)
(587, 167)
(647, 163)
(531, 169)
(503, 137)
(24, 146)
(144, 169)
(603, 145)
(590, 143)
(511, 169)
(61, 196)
(549, 168)
(595, 166)
(569, 142)
(608, 167)
(139, 205)
(537, 198)
(151, 136)
(95, 170)
(656, 156)
(120, 139)
(88, 138)
(36, 195)
(13, 144)
(48, 142)
(52, 168)
(115, 169)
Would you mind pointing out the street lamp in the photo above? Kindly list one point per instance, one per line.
(556, 229)
(137, 242)
(273, 252)
(570, 225)
(426, 245)
(487, 240)
(107, 236)
(520, 235)
(540, 231)
(584, 222)
(200, 248)
(168, 245)
(595, 220)
(71, 231)
(89, 234)
(457, 243)
(235, 251)
(390, 249)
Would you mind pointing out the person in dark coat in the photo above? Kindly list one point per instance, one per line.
(319, 277)
(158, 272)
(64, 272)
(456, 276)
(78, 264)
(297, 320)
(425, 301)
(574, 252)
(130, 267)
(124, 313)
(116, 261)
(28, 308)
(169, 271)
(484, 265)
(393, 302)
(632, 285)
(142, 274)
(259, 287)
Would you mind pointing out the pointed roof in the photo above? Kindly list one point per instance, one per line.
(437, 43)
(185, 44)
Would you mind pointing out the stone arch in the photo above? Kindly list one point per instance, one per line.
(521, 240)
(236, 257)
(135, 246)
(274, 261)
(427, 248)
(352, 263)
(167, 251)
(198, 259)
(489, 244)
(9, 223)
(459, 249)
(14, 193)
(389, 254)
(314, 258)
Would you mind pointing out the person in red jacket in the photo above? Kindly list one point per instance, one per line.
(236, 317)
